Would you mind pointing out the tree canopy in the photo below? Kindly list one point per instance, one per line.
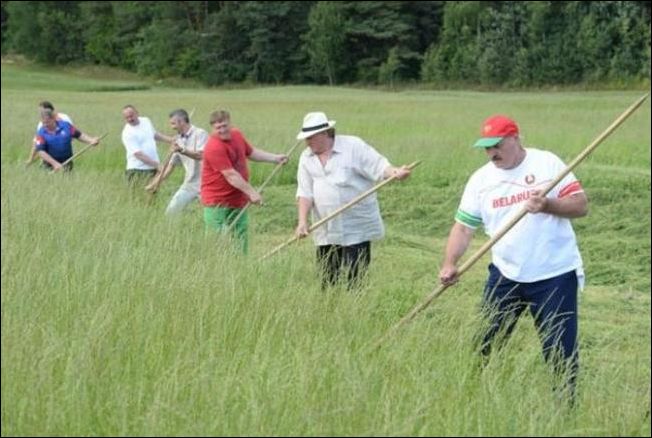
(377, 42)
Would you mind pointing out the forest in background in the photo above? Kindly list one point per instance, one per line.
(456, 43)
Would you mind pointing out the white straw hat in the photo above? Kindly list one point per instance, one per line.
(314, 123)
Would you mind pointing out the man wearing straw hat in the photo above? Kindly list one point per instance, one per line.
(537, 264)
(225, 188)
(333, 170)
(187, 150)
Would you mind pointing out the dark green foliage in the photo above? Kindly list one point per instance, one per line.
(223, 46)
(255, 41)
(165, 48)
(375, 28)
(46, 31)
(501, 43)
(3, 21)
(274, 29)
(21, 28)
(324, 41)
(455, 56)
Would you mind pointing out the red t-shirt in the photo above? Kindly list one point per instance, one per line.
(221, 155)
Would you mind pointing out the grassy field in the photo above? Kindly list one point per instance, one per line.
(119, 321)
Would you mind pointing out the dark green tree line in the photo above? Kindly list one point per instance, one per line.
(490, 43)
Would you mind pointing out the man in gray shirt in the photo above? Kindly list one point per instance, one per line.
(187, 148)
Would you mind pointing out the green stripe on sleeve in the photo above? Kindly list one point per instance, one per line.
(468, 219)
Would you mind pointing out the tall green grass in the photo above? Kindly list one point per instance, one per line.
(119, 321)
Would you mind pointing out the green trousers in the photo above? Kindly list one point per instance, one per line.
(220, 218)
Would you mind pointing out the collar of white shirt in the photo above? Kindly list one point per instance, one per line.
(337, 148)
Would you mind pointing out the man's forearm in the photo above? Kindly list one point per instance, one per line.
(48, 158)
(167, 171)
(237, 181)
(261, 155)
(164, 138)
(305, 204)
(145, 159)
(195, 155)
(570, 207)
(85, 138)
(458, 241)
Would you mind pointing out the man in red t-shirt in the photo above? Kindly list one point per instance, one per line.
(225, 187)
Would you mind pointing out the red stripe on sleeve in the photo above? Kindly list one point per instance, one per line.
(571, 189)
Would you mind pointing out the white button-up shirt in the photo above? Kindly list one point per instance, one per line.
(353, 168)
(194, 141)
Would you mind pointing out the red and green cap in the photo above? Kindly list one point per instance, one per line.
(494, 129)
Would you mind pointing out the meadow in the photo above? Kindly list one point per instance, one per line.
(117, 320)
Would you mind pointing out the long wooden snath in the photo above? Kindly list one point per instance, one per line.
(79, 153)
(346, 206)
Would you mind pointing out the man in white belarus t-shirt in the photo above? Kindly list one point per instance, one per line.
(537, 263)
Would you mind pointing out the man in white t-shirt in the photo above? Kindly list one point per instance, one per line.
(139, 138)
(537, 263)
(332, 171)
(58, 116)
(188, 147)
